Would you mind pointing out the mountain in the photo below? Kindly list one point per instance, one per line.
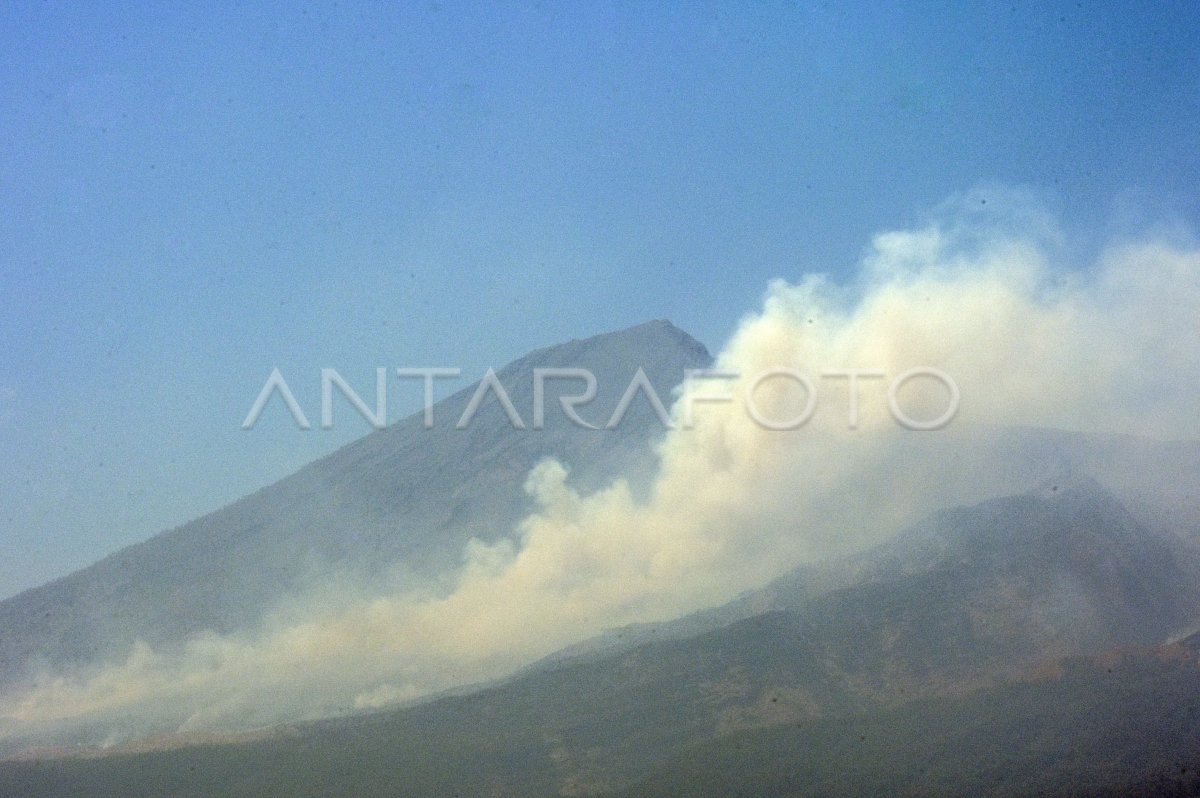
(1003, 614)
(1010, 647)
(400, 503)
(970, 595)
(1059, 570)
(1062, 568)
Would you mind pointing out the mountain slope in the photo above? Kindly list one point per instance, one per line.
(1062, 568)
(403, 500)
(941, 632)
(1122, 726)
(989, 588)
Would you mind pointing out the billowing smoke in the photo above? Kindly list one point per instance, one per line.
(978, 301)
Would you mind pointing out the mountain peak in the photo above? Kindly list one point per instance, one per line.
(649, 340)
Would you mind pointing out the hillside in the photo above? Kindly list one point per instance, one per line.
(938, 667)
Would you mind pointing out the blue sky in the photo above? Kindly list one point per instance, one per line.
(191, 197)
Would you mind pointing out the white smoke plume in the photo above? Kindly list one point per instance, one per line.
(1110, 348)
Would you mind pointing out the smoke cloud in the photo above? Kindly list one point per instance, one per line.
(1106, 349)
